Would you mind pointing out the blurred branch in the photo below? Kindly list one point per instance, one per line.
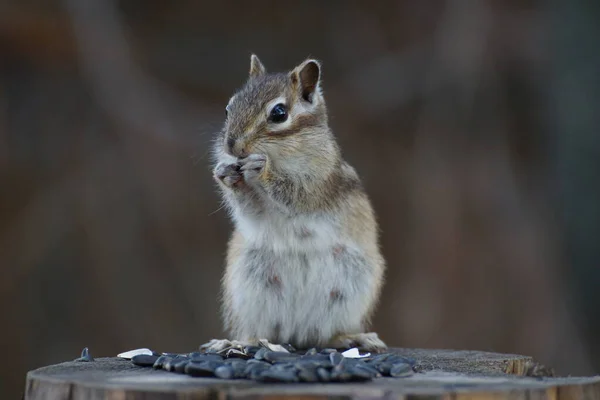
(43, 222)
(147, 109)
(375, 93)
(572, 96)
(120, 86)
(36, 36)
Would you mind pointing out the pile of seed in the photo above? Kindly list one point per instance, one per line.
(264, 365)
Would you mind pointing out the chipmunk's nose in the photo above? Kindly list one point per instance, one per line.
(235, 147)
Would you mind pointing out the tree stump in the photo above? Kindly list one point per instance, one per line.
(447, 374)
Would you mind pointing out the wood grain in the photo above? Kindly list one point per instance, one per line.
(442, 374)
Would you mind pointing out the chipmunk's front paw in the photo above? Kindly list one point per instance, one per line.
(229, 174)
(253, 166)
(365, 341)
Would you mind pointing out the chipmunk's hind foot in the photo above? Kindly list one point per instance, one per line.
(365, 341)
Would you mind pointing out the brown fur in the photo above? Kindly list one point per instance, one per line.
(288, 182)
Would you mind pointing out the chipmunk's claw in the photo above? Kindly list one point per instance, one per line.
(365, 341)
(228, 174)
(252, 166)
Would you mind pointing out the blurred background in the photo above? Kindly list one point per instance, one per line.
(474, 125)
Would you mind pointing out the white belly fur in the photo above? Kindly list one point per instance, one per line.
(298, 280)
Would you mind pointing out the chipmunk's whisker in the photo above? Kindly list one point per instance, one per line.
(218, 209)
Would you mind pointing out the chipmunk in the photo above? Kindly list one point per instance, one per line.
(303, 264)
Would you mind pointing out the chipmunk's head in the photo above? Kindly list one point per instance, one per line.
(282, 115)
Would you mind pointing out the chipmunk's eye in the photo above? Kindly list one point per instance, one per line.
(278, 114)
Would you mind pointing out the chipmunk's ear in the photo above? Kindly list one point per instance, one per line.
(308, 77)
(256, 67)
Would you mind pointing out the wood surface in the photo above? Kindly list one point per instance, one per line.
(443, 374)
